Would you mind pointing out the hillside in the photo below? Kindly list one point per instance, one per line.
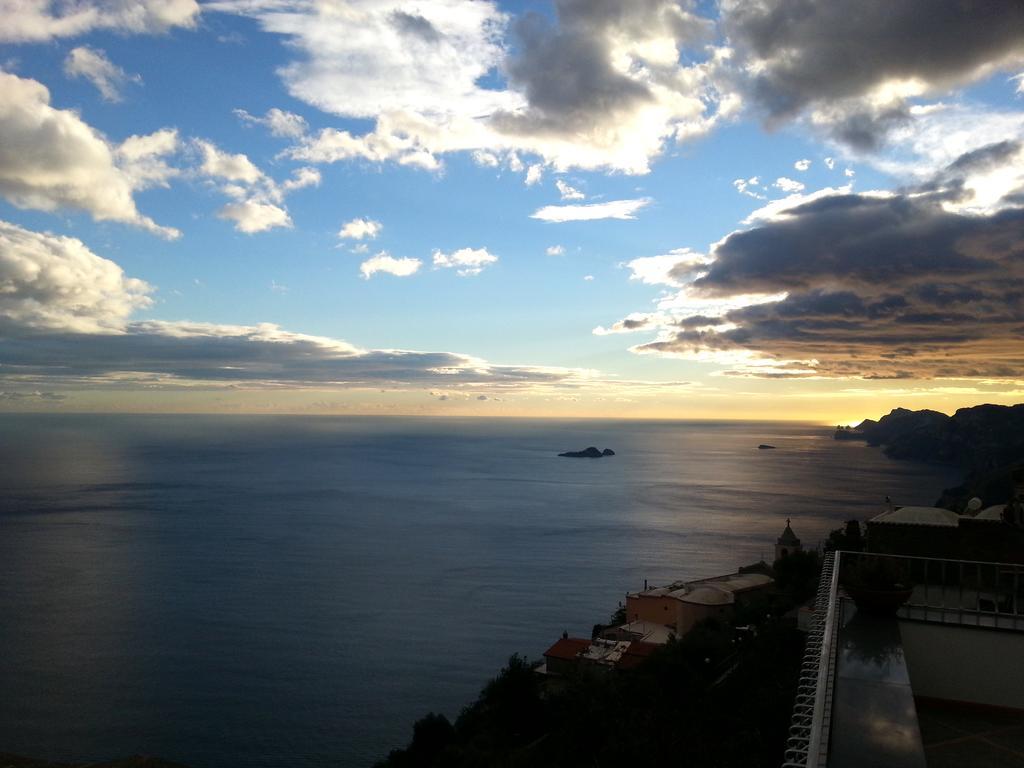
(986, 441)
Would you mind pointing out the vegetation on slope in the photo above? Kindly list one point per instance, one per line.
(716, 697)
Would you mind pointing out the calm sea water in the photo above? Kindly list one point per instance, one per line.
(249, 591)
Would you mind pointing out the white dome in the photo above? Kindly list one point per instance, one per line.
(995, 512)
(919, 516)
(708, 594)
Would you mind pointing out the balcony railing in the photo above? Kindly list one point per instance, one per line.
(807, 745)
(967, 593)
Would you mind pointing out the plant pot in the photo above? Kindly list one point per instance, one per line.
(879, 602)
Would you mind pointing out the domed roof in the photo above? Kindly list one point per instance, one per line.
(919, 516)
(995, 512)
(708, 594)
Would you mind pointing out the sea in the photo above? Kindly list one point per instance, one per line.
(235, 591)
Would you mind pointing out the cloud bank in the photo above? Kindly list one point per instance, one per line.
(66, 319)
(874, 285)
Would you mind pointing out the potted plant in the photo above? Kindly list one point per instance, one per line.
(878, 585)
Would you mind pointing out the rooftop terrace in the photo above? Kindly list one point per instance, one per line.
(941, 683)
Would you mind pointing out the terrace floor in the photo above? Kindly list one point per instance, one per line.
(957, 736)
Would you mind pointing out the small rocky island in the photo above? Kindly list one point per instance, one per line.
(588, 453)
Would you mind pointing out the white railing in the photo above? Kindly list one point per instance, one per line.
(961, 592)
(807, 745)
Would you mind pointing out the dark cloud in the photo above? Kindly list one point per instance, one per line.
(565, 69)
(634, 324)
(32, 397)
(256, 355)
(636, 18)
(876, 287)
(567, 78)
(414, 25)
(859, 239)
(865, 129)
(833, 53)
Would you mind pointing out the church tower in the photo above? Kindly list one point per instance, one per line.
(787, 543)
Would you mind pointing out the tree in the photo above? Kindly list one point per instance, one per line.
(848, 538)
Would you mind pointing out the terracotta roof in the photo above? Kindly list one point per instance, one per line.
(567, 648)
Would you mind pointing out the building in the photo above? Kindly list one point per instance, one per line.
(939, 683)
(990, 535)
(570, 653)
(787, 543)
(561, 658)
(681, 605)
(648, 631)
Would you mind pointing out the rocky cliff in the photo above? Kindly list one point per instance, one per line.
(985, 440)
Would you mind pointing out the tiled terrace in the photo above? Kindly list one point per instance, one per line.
(970, 737)
(890, 691)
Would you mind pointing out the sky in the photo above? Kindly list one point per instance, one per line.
(745, 209)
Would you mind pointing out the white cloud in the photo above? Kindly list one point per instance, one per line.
(592, 89)
(788, 185)
(357, 229)
(258, 200)
(225, 165)
(468, 261)
(778, 208)
(279, 122)
(802, 165)
(534, 174)
(940, 133)
(673, 268)
(144, 158)
(41, 20)
(385, 262)
(53, 283)
(849, 173)
(830, 162)
(485, 158)
(555, 250)
(613, 209)
(252, 216)
(390, 141)
(94, 66)
(749, 186)
(51, 159)
(567, 192)
(301, 178)
(588, 278)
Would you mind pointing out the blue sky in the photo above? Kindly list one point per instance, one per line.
(217, 152)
